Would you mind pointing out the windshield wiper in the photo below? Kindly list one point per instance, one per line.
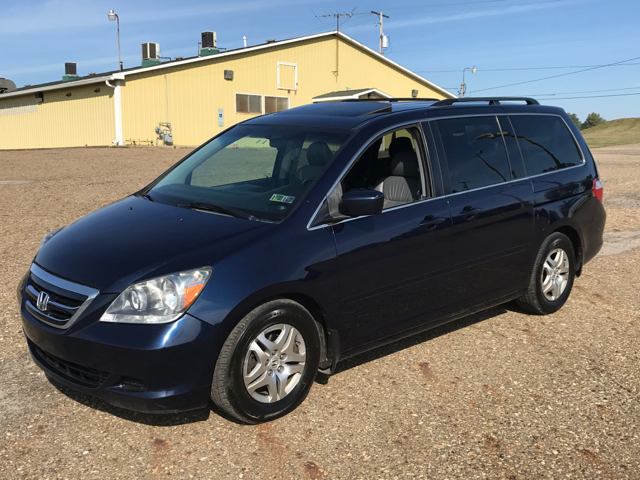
(143, 195)
(216, 208)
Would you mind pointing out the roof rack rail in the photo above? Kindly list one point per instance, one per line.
(409, 99)
(491, 100)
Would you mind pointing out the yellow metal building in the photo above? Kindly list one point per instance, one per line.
(199, 96)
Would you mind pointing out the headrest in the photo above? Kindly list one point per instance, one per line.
(400, 144)
(405, 164)
(318, 153)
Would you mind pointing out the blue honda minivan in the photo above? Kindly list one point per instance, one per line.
(293, 240)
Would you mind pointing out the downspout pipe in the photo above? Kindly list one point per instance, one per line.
(117, 110)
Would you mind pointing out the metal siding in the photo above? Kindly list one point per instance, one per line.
(196, 91)
(85, 118)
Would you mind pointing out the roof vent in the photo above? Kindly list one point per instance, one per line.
(150, 53)
(70, 72)
(209, 40)
(6, 85)
(271, 40)
(209, 44)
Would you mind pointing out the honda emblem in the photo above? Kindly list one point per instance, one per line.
(43, 301)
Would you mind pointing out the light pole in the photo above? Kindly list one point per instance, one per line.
(113, 16)
(463, 87)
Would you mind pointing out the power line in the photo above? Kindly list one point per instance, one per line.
(337, 16)
(591, 96)
(525, 68)
(584, 91)
(561, 75)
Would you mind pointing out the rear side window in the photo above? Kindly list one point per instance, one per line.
(546, 143)
(475, 152)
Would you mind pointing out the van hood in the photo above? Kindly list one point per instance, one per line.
(135, 238)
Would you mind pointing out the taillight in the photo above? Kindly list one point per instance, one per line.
(598, 188)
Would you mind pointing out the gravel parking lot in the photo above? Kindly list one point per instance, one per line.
(500, 394)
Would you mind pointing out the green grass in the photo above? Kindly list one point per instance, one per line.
(615, 132)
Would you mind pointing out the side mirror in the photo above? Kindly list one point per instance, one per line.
(359, 202)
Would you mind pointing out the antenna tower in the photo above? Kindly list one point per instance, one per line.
(337, 16)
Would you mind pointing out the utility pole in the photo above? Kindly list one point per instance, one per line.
(381, 33)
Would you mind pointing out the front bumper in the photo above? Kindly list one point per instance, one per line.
(147, 368)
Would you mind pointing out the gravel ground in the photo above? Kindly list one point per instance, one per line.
(500, 394)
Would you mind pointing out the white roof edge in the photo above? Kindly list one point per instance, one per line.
(348, 97)
(225, 54)
(57, 86)
(122, 75)
(396, 65)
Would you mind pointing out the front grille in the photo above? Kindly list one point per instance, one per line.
(59, 308)
(53, 300)
(87, 377)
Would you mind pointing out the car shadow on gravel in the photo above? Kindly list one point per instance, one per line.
(200, 415)
(156, 420)
(419, 338)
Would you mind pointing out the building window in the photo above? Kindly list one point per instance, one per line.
(275, 104)
(287, 76)
(246, 103)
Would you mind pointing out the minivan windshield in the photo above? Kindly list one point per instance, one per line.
(251, 171)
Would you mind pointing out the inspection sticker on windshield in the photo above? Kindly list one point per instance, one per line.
(282, 198)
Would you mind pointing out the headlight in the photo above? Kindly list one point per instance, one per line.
(49, 236)
(159, 300)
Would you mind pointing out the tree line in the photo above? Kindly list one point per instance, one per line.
(592, 120)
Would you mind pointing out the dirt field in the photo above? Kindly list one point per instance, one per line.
(497, 395)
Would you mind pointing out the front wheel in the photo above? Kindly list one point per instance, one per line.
(268, 363)
(552, 276)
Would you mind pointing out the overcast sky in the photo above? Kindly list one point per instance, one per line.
(514, 44)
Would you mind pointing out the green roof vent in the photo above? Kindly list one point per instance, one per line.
(69, 72)
(150, 54)
(209, 45)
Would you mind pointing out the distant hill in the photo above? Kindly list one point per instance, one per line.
(615, 132)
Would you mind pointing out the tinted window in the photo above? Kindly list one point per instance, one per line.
(515, 158)
(546, 143)
(475, 152)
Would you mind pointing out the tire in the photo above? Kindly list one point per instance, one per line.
(552, 276)
(250, 383)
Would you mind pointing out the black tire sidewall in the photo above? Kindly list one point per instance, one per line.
(279, 313)
(558, 240)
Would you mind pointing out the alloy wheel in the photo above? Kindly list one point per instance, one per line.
(274, 363)
(555, 274)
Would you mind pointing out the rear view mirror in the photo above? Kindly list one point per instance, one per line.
(359, 202)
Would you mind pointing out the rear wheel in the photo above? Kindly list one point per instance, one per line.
(552, 276)
(268, 363)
